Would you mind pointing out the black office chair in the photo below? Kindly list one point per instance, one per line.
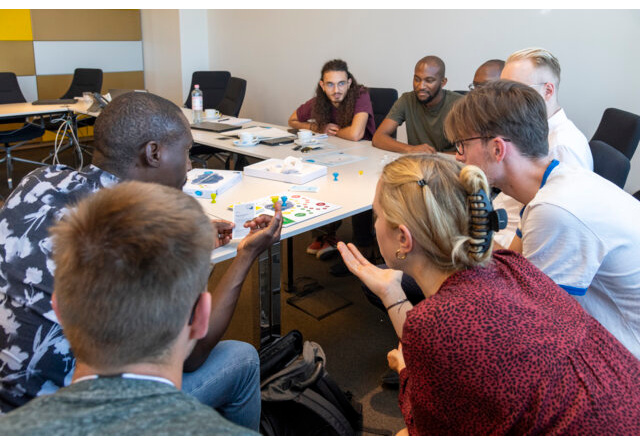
(620, 129)
(609, 163)
(230, 105)
(84, 80)
(462, 92)
(10, 93)
(637, 195)
(233, 97)
(382, 99)
(213, 85)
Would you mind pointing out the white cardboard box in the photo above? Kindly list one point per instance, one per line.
(263, 170)
(201, 183)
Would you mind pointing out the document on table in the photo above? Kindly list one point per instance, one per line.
(229, 120)
(260, 132)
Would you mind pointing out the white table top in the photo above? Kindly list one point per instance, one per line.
(28, 109)
(353, 191)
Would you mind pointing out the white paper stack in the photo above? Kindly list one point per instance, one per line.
(201, 183)
(272, 169)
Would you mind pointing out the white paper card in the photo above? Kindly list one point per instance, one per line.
(241, 214)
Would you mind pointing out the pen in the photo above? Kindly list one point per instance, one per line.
(225, 119)
(297, 148)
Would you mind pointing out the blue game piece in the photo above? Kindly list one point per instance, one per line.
(335, 176)
(284, 200)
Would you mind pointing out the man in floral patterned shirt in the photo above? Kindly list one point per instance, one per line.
(143, 137)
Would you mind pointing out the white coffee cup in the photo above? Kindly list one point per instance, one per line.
(246, 137)
(304, 135)
(212, 113)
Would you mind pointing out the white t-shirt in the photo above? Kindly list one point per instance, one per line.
(568, 145)
(582, 231)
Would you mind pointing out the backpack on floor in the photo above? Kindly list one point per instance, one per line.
(298, 395)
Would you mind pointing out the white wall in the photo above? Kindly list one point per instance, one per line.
(280, 53)
(194, 45)
(161, 53)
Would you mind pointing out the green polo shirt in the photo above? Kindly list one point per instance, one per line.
(424, 125)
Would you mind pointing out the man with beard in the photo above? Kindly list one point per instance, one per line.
(341, 106)
(424, 110)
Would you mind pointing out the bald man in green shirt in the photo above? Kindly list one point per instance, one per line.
(423, 109)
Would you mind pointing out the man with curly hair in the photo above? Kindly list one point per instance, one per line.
(341, 106)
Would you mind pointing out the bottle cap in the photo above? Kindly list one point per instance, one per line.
(196, 86)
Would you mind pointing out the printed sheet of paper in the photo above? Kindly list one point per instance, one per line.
(241, 214)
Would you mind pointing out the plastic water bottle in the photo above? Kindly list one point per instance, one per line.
(196, 104)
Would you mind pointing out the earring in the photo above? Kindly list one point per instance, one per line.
(398, 253)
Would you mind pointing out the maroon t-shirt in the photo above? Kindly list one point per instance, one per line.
(363, 104)
(504, 350)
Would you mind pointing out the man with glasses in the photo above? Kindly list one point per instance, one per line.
(487, 72)
(341, 106)
(578, 228)
(539, 69)
(423, 110)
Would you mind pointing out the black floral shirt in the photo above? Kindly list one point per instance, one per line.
(35, 358)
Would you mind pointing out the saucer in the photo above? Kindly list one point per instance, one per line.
(320, 136)
(300, 143)
(251, 143)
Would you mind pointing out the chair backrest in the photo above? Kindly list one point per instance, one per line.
(609, 163)
(462, 92)
(84, 79)
(620, 129)
(10, 89)
(213, 85)
(233, 97)
(382, 99)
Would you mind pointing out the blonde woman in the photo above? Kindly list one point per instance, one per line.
(496, 347)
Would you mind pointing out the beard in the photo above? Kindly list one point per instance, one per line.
(430, 98)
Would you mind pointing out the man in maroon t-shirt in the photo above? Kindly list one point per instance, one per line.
(341, 107)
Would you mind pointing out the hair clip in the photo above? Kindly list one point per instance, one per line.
(484, 221)
(422, 183)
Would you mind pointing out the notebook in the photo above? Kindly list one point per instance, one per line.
(214, 126)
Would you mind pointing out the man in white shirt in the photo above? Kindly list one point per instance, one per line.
(539, 69)
(578, 228)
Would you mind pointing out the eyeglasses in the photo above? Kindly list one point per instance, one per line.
(537, 85)
(340, 84)
(460, 144)
(474, 85)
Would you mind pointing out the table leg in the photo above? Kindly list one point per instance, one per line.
(269, 264)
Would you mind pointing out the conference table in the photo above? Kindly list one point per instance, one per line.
(26, 109)
(353, 191)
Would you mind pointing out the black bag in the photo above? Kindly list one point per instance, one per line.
(298, 396)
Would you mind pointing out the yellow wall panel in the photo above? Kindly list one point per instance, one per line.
(133, 80)
(86, 24)
(17, 57)
(53, 87)
(15, 24)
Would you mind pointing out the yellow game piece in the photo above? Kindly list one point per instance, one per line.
(359, 172)
(213, 198)
(274, 199)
